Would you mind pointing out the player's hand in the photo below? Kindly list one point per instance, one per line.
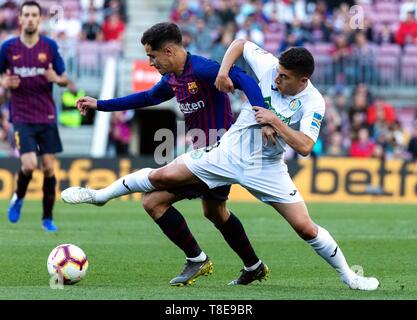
(264, 116)
(268, 134)
(224, 83)
(50, 74)
(86, 103)
(10, 81)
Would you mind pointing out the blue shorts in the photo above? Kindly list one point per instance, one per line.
(39, 138)
(202, 191)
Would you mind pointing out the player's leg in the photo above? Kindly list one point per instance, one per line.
(145, 180)
(48, 188)
(158, 205)
(29, 164)
(214, 208)
(323, 243)
(25, 139)
(49, 144)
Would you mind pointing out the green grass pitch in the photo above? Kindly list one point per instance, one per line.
(130, 258)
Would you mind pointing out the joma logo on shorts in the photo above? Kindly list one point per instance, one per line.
(191, 107)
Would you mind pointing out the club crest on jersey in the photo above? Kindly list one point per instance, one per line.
(294, 105)
(42, 57)
(192, 87)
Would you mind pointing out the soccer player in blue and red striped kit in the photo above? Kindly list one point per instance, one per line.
(190, 78)
(29, 65)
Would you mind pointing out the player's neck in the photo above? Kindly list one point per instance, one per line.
(29, 40)
(181, 62)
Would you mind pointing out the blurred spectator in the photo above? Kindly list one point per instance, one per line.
(250, 32)
(363, 55)
(362, 146)
(412, 144)
(317, 31)
(188, 41)
(181, 13)
(406, 7)
(68, 27)
(202, 37)
(385, 35)
(341, 69)
(69, 115)
(291, 40)
(113, 28)
(9, 14)
(227, 11)
(220, 46)
(380, 106)
(121, 131)
(335, 147)
(407, 30)
(115, 6)
(91, 29)
(87, 5)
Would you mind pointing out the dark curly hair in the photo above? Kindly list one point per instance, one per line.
(299, 60)
(161, 33)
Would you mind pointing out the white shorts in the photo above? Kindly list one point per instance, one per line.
(267, 180)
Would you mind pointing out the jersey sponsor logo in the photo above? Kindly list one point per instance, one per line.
(42, 57)
(286, 120)
(16, 57)
(192, 87)
(26, 72)
(294, 105)
(191, 107)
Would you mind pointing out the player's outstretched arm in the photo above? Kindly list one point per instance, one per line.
(86, 103)
(223, 81)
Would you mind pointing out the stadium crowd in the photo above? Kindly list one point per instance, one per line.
(357, 123)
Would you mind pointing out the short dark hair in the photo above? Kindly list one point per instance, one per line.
(161, 33)
(299, 60)
(30, 3)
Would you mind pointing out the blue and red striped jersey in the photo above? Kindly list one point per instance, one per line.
(32, 101)
(203, 106)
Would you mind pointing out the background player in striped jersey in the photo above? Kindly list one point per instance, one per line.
(190, 79)
(30, 64)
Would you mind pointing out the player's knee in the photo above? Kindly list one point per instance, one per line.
(307, 231)
(216, 213)
(29, 167)
(153, 206)
(48, 170)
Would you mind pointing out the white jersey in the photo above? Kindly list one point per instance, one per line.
(303, 111)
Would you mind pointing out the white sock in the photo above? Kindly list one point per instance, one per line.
(251, 268)
(135, 182)
(327, 248)
(200, 258)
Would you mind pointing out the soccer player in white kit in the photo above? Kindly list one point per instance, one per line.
(296, 109)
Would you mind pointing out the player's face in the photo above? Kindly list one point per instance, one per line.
(289, 83)
(160, 59)
(30, 19)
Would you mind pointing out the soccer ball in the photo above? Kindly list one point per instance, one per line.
(68, 261)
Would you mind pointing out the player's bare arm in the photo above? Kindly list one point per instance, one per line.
(51, 75)
(86, 103)
(297, 140)
(223, 81)
(10, 81)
